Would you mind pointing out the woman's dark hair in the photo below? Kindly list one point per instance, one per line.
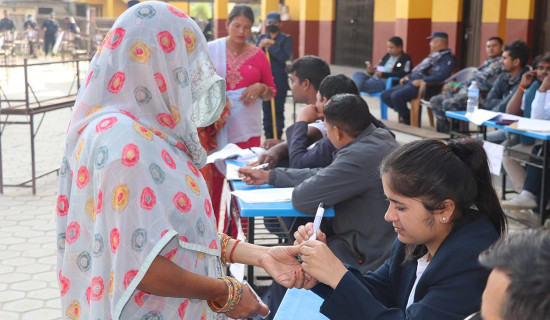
(434, 171)
(397, 41)
(241, 10)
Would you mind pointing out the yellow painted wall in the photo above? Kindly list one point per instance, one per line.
(182, 5)
(220, 9)
(447, 10)
(384, 10)
(328, 10)
(268, 6)
(493, 11)
(413, 9)
(520, 9)
(293, 9)
(309, 10)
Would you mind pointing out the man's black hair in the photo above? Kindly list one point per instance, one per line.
(311, 68)
(518, 50)
(349, 112)
(335, 84)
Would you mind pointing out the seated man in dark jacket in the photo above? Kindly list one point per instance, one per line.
(436, 67)
(304, 151)
(309, 127)
(351, 183)
(395, 63)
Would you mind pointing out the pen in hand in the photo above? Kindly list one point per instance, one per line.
(261, 166)
(317, 221)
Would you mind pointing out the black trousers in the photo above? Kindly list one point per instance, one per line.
(49, 42)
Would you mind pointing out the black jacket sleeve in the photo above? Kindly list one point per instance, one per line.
(401, 68)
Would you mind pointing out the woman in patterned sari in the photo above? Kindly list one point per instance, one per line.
(135, 231)
(249, 82)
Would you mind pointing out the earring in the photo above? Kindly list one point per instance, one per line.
(444, 219)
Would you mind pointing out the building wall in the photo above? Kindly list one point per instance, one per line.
(413, 20)
(312, 22)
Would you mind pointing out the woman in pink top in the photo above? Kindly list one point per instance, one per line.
(249, 81)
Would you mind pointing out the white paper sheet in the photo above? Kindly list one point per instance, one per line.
(233, 151)
(494, 155)
(231, 172)
(264, 195)
(480, 115)
(534, 125)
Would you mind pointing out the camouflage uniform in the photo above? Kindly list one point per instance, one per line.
(485, 76)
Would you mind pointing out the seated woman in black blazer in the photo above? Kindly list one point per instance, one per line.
(433, 271)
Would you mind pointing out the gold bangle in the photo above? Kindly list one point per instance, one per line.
(235, 293)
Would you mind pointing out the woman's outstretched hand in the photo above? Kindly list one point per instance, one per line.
(248, 307)
(281, 264)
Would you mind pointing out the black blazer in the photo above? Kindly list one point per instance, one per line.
(401, 68)
(450, 287)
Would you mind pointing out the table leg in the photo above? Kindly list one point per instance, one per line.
(543, 200)
(250, 274)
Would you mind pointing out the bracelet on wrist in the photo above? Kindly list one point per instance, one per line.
(224, 240)
(233, 250)
(522, 87)
(235, 293)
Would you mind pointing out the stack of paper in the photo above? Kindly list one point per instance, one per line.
(264, 195)
(480, 115)
(231, 172)
(232, 151)
(534, 125)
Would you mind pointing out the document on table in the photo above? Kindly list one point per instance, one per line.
(494, 154)
(480, 115)
(534, 125)
(233, 151)
(231, 172)
(264, 195)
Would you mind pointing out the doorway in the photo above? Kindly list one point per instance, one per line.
(353, 32)
(471, 33)
(541, 28)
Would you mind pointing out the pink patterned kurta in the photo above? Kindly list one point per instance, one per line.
(129, 187)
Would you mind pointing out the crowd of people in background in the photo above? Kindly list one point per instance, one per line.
(418, 231)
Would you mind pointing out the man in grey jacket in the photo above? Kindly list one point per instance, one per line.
(351, 183)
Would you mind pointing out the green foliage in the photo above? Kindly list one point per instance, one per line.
(201, 10)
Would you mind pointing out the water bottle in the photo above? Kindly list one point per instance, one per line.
(473, 97)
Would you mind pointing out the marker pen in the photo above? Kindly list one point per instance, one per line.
(261, 166)
(317, 221)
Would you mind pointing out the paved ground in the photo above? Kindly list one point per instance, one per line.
(28, 282)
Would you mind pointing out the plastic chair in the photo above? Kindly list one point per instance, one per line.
(383, 106)
(432, 89)
(416, 108)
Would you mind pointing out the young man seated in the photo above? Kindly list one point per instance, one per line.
(436, 67)
(395, 63)
(307, 145)
(456, 97)
(351, 183)
(514, 65)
